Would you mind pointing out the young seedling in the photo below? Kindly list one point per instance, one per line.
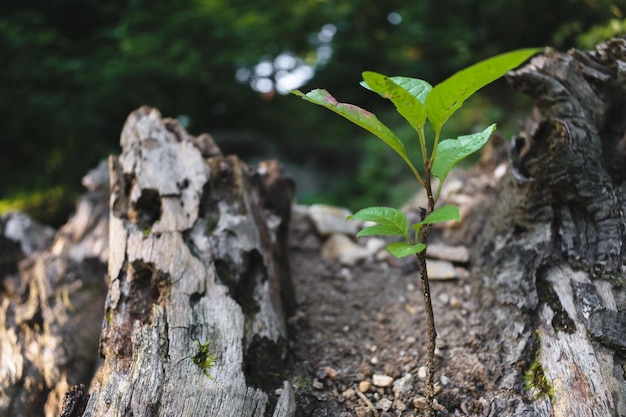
(418, 102)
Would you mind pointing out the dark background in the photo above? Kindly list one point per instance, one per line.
(72, 70)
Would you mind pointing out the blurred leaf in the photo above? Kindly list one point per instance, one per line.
(403, 249)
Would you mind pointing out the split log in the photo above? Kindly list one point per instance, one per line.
(51, 303)
(549, 268)
(199, 283)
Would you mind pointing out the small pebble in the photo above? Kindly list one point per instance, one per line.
(317, 384)
(399, 405)
(421, 373)
(374, 360)
(330, 372)
(444, 298)
(454, 302)
(349, 393)
(384, 404)
(364, 386)
(380, 380)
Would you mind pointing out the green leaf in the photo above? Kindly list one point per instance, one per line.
(359, 117)
(403, 249)
(443, 214)
(449, 95)
(390, 220)
(416, 87)
(379, 230)
(407, 105)
(452, 151)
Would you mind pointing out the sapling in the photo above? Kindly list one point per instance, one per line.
(418, 102)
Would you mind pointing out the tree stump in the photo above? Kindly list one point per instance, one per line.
(198, 280)
(51, 303)
(549, 267)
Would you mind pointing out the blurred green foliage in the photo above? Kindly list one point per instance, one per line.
(72, 70)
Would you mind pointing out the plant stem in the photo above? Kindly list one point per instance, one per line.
(431, 332)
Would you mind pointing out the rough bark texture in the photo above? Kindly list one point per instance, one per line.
(550, 264)
(51, 301)
(195, 270)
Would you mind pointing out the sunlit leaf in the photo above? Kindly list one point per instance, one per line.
(452, 151)
(450, 94)
(360, 117)
(393, 221)
(416, 87)
(403, 249)
(443, 214)
(407, 105)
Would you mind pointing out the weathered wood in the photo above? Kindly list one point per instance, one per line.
(196, 261)
(51, 304)
(550, 264)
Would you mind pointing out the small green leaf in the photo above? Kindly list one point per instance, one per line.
(391, 220)
(403, 249)
(450, 94)
(452, 151)
(407, 105)
(359, 117)
(379, 230)
(443, 214)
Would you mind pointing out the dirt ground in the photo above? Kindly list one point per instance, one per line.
(362, 326)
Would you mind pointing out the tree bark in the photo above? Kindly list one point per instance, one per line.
(549, 267)
(196, 268)
(51, 303)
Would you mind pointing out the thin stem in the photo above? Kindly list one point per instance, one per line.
(431, 332)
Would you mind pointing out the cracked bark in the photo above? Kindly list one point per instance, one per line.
(196, 257)
(550, 262)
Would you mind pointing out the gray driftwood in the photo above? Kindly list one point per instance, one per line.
(549, 268)
(52, 293)
(196, 260)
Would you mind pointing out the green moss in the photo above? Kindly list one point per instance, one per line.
(203, 359)
(537, 382)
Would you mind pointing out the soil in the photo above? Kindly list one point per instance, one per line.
(356, 322)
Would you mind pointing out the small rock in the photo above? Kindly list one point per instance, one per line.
(375, 244)
(331, 372)
(341, 249)
(349, 393)
(444, 380)
(364, 386)
(420, 403)
(403, 385)
(382, 381)
(317, 384)
(448, 253)
(399, 405)
(384, 404)
(421, 373)
(462, 273)
(329, 220)
(363, 411)
(444, 298)
(454, 302)
(374, 360)
(440, 270)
